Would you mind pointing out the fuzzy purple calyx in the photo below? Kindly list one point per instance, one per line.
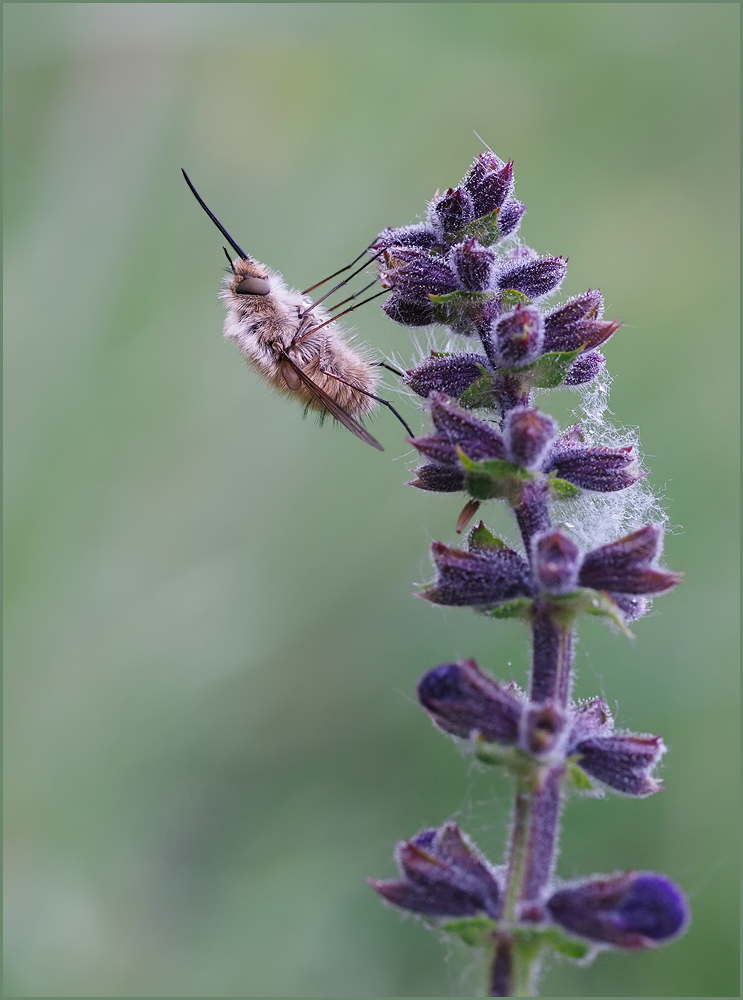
(556, 561)
(633, 910)
(483, 578)
(442, 875)
(451, 374)
(464, 701)
(528, 433)
(627, 566)
(474, 264)
(516, 339)
(534, 278)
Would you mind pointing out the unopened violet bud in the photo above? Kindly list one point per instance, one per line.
(509, 217)
(490, 190)
(603, 470)
(454, 210)
(460, 427)
(633, 910)
(625, 566)
(536, 278)
(451, 374)
(484, 578)
(416, 274)
(543, 730)
(585, 369)
(418, 235)
(439, 479)
(528, 434)
(517, 338)
(624, 762)
(464, 701)
(556, 560)
(474, 265)
(485, 163)
(590, 718)
(577, 324)
(443, 875)
(408, 312)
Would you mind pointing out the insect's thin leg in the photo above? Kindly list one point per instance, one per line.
(229, 260)
(383, 364)
(344, 282)
(371, 395)
(336, 273)
(298, 340)
(355, 296)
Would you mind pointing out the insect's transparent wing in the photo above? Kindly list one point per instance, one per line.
(333, 408)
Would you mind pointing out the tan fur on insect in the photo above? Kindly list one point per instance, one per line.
(265, 327)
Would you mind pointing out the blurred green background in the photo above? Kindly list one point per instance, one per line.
(211, 643)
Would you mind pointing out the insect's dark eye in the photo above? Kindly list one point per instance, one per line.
(253, 286)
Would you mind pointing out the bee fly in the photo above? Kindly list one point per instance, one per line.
(295, 344)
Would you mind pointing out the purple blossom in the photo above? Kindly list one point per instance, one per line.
(603, 470)
(585, 368)
(442, 875)
(418, 235)
(578, 323)
(516, 338)
(453, 211)
(627, 566)
(450, 374)
(489, 183)
(534, 278)
(483, 578)
(462, 700)
(528, 434)
(556, 561)
(474, 264)
(509, 217)
(633, 910)
(623, 761)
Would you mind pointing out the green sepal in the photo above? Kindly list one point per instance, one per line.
(592, 602)
(512, 298)
(562, 489)
(494, 478)
(477, 932)
(519, 607)
(484, 230)
(481, 538)
(577, 780)
(553, 938)
(495, 754)
(480, 395)
(547, 372)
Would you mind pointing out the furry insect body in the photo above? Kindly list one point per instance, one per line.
(295, 344)
(279, 332)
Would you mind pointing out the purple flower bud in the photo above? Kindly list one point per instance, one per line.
(490, 190)
(556, 561)
(602, 470)
(408, 312)
(462, 700)
(535, 278)
(517, 338)
(418, 235)
(454, 210)
(625, 566)
(590, 718)
(439, 479)
(585, 369)
(578, 323)
(474, 265)
(543, 730)
(416, 274)
(456, 426)
(486, 163)
(509, 217)
(528, 434)
(484, 578)
(632, 910)
(624, 762)
(450, 374)
(443, 875)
